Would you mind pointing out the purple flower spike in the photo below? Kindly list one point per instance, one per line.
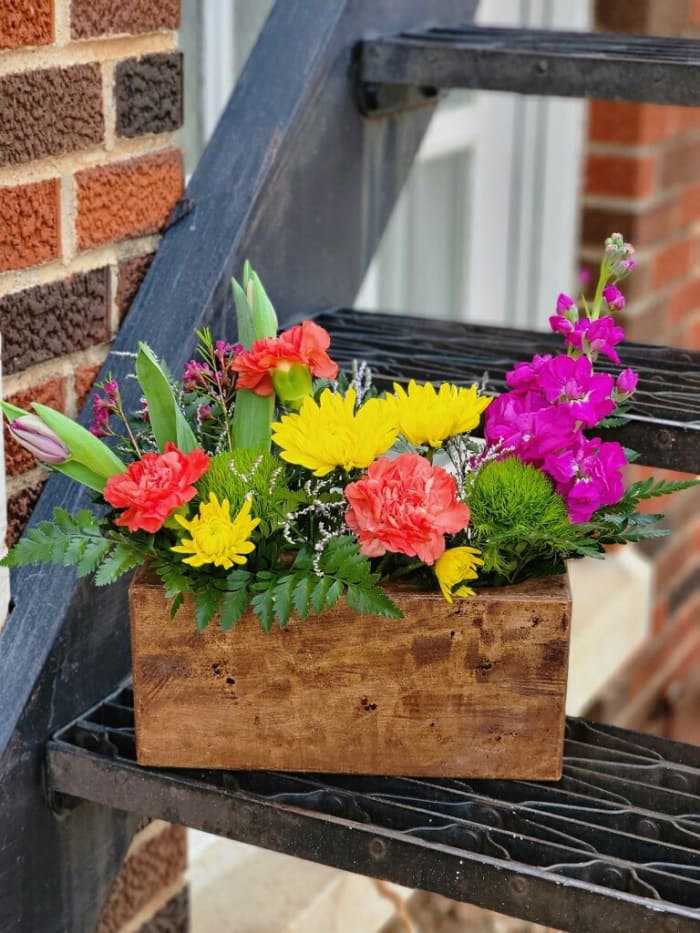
(36, 437)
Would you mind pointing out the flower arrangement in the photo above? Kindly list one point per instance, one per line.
(268, 480)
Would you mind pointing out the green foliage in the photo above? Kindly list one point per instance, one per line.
(80, 541)
(167, 421)
(519, 523)
(237, 475)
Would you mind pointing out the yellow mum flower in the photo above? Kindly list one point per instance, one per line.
(329, 433)
(454, 566)
(430, 417)
(216, 537)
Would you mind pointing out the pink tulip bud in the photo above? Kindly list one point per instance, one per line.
(36, 437)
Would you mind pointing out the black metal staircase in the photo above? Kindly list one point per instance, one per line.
(616, 844)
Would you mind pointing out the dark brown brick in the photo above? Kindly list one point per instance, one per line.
(107, 17)
(30, 232)
(127, 199)
(131, 274)
(149, 870)
(50, 111)
(50, 320)
(25, 24)
(53, 393)
(173, 917)
(19, 509)
(148, 94)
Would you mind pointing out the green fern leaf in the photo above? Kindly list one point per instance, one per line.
(178, 600)
(335, 591)
(263, 604)
(372, 601)
(121, 559)
(233, 606)
(319, 593)
(95, 549)
(301, 595)
(282, 595)
(206, 605)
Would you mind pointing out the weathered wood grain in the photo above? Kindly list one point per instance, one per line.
(473, 689)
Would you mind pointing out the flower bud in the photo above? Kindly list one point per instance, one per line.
(626, 382)
(292, 383)
(36, 437)
(614, 297)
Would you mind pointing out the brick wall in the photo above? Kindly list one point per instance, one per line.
(643, 179)
(90, 93)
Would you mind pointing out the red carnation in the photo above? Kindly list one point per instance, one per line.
(154, 486)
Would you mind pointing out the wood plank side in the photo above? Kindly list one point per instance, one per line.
(475, 689)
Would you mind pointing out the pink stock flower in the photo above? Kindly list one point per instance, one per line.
(524, 377)
(561, 324)
(565, 303)
(195, 375)
(626, 382)
(594, 337)
(405, 506)
(588, 476)
(614, 297)
(571, 382)
(527, 425)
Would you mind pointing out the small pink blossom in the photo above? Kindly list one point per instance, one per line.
(561, 324)
(524, 377)
(626, 382)
(565, 303)
(594, 337)
(527, 425)
(614, 297)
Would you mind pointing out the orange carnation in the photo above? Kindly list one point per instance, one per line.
(304, 344)
(154, 486)
(405, 506)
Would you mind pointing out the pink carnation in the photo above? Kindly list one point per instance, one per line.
(405, 506)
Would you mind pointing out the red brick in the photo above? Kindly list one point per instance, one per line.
(694, 12)
(620, 176)
(84, 379)
(22, 24)
(691, 334)
(684, 300)
(680, 165)
(672, 262)
(660, 617)
(107, 17)
(622, 122)
(128, 199)
(53, 393)
(30, 232)
(641, 227)
(690, 205)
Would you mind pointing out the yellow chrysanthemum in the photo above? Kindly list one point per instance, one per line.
(329, 433)
(429, 417)
(454, 566)
(216, 537)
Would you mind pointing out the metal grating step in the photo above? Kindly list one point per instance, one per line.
(664, 429)
(618, 836)
(532, 61)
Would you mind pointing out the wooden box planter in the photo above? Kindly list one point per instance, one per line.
(473, 689)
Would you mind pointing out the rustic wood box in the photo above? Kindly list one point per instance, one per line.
(473, 689)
